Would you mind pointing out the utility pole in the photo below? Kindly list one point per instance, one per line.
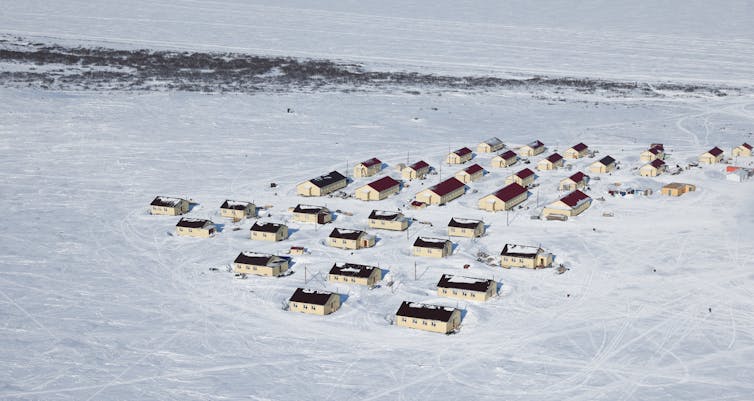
(507, 220)
(414, 271)
(304, 274)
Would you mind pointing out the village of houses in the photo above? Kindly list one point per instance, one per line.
(533, 183)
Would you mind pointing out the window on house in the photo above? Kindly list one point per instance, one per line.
(424, 322)
(403, 319)
(191, 230)
(434, 324)
(414, 321)
(255, 268)
(314, 308)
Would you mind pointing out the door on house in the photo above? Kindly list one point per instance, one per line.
(321, 218)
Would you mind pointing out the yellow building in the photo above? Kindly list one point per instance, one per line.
(712, 156)
(576, 181)
(387, 220)
(491, 145)
(505, 198)
(552, 162)
(349, 239)
(237, 210)
(260, 264)
(415, 171)
(505, 159)
(314, 302)
(576, 151)
(471, 173)
(743, 150)
(438, 319)
(459, 156)
(350, 273)
(532, 257)
(322, 185)
(168, 206)
(572, 204)
(524, 178)
(677, 189)
(653, 153)
(468, 228)
(367, 168)
(442, 193)
(378, 189)
(432, 247)
(532, 149)
(269, 231)
(653, 168)
(195, 228)
(603, 165)
(466, 288)
(297, 250)
(312, 214)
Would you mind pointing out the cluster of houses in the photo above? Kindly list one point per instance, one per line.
(412, 314)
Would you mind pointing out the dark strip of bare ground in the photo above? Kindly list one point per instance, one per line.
(98, 68)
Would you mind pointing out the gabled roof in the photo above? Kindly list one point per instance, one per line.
(307, 296)
(166, 201)
(494, 141)
(193, 223)
(464, 223)
(371, 162)
(535, 144)
(655, 150)
(657, 163)
(310, 209)
(578, 177)
(383, 184)
(509, 192)
(474, 168)
(579, 147)
(327, 179)
(447, 186)
(259, 259)
(607, 160)
(746, 145)
(424, 311)
(343, 233)
(419, 165)
(715, 151)
(352, 270)
(385, 215)
(554, 158)
(427, 242)
(520, 251)
(267, 227)
(463, 151)
(508, 154)
(657, 145)
(235, 205)
(524, 173)
(574, 198)
(465, 283)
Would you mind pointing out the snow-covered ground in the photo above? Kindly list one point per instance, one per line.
(98, 300)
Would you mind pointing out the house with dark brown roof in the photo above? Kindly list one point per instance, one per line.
(387, 220)
(576, 151)
(349, 239)
(653, 153)
(442, 192)
(575, 181)
(260, 264)
(432, 247)
(505, 198)
(505, 159)
(165, 205)
(237, 210)
(351, 273)
(261, 231)
(459, 156)
(322, 185)
(603, 165)
(415, 171)
(466, 288)
(532, 257)
(570, 205)
(471, 173)
(677, 189)
(314, 302)
(712, 156)
(367, 168)
(469, 228)
(201, 228)
(653, 168)
(438, 319)
(551, 162)
(491, 145)
(532, 149)
(743, 150)
(378, 189)
(311, 214)
(524, 178)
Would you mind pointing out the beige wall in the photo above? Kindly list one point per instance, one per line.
(466, 178)
(242, 268)
(431, 198)
(647, 156)
(466, 294)
(453, 158)
(179, 209)
(528, 151)
(432, 252)
(411, 174)
(561, 208)
(371, 194)
(265, 236)
(523, 182)
(541, 259)
(351, 244)
(238, 214)
(466, 232)
(599, 168)
(431, 325)
(707, 158)
(573, 154)
(649, 171)
(308, 189)
(193, 232)
(499, 205)
(741, 151)
(367, 281)
(545, 164)
(360, 170)
(310, 218)
(331, 306)
(486, 148)
(498, 161)
(399, 225)
(569, 185)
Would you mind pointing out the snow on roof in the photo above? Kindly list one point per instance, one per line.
(494, 141)
(309, 209)
(427, 242)
(462, 151)
(371, 162)
(327, 179)
(425, 311)
(464, 283)
(193, 223)
(575, 199)
(166, 201)
(259, 259)
(308, 296)
(419, 165)
(535, 144)
(522, 251)
(352, 270)
(346, 233)
(266, 227)
(236, 205)
(385, 215)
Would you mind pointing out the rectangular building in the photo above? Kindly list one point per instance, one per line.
(387, 220)
(505, 159)
(260, 264)
(505, 198)
(442, 193)
(312, 214)
(532, 257)
(322, 185)
(415, 171)
(466, 288)
(349, 239)
(314, 302)
(351, 273)
(237, 210)
(367, 168)
(269, 231)
(195, 228)
(378, 189)
(468, 228)
(459, 156)
(432, 247)
(165, 205)
(491, 145)
(438, 319)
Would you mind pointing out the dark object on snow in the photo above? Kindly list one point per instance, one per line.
(273, 185)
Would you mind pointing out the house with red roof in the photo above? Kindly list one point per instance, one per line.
(415, 171)
(576, 151)
(459, 156)
(572, 204)
(653, 153)
(524, 178)
(442, 192)
(505, 159)
(378, 189)
(576, 181)
(743, 150)
(505, 198)
(367, 168)
(552, 162)
(471, 173)
(532, 149)
(712, 156)
(603, 165)
(653, 168)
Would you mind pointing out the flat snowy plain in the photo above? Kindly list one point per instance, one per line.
(99, 300)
